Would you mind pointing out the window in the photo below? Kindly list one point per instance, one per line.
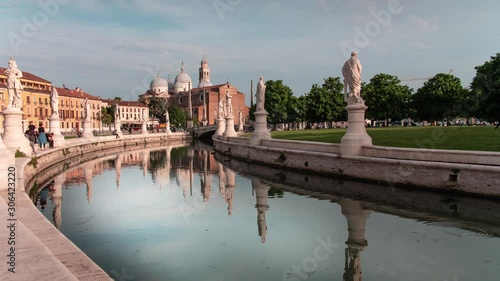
(201, 97)
(180, 100)
(28, 100)
(46, 101)
(40, 100)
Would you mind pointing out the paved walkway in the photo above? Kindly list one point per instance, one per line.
(41, 251)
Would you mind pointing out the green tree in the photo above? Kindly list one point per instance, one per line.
(386, 98)
(106, 115)
(157, 108)
(326, 103)
(485, 90)
(439, 98)
(178, 117)
(277, 103)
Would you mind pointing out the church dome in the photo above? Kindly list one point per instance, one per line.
(179, 85)
(183, 77)
(158, 82)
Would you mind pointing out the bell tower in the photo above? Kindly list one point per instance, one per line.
(204, 74)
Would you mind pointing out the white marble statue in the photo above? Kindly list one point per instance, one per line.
(221, 109)
(143, 115)
(352, 79)
(261, 94)
(167, 117)
(240, 116)
(87, 109)
(117, 114)
(54, 101)
(14, 85)
(229, 104)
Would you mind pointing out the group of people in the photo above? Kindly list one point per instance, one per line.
(39, 136)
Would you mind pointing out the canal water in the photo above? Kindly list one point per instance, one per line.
(185, 213)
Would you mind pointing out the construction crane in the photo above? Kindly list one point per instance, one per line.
(425, 78)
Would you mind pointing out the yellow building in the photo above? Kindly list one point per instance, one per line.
(71, 111)
(36, 103)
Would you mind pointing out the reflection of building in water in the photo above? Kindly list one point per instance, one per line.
(261, 194)
(88, 168)
(76, 176)
(230, 186)
(182, 177)
(161, 173)
(57, 199)
(356, 219)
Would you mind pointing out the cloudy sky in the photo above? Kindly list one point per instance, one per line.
(116, 47)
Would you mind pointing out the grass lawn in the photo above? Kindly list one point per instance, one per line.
(462, 138)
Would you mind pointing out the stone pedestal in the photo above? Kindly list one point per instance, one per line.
(13, 137)
(221, 127)
(229, 132)
(240, 127)
(260, 128)
(87, 130)
(55, 127)
(144, 128)
(118, 130)
(356, 135)
(8, 160)
(189, 125)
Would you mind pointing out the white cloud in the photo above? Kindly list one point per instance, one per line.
(421, 24)
(420, 45)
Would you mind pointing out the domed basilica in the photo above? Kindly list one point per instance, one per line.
(204, 104)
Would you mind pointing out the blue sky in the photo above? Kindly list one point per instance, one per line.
(114, 48)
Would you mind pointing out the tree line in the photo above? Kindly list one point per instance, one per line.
(440, 98)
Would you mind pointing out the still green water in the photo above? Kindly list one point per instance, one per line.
(176, 213)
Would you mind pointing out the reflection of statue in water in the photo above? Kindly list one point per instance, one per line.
(352, 78)
(14, 85)
(261, 94)
(87, 110)
(54, 101)
(229, 104)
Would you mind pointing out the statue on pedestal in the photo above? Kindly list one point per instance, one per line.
(167, 117)
(352, 79)
(14, 85)
(229, 104)
(87, 109)
(261, 94)
(240, 116)
(117, 114)
(221, 109)
(54, 101)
